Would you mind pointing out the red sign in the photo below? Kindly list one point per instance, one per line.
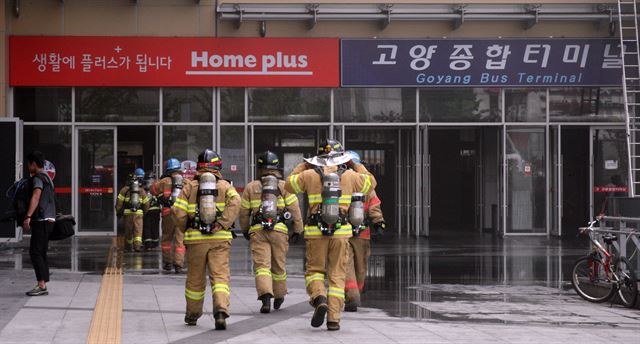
(95, 190)
(173, 61)
(610, 189)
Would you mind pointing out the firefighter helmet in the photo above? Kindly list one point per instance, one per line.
(173, 165)
(209, 159)
(330, 145)
(268, 160)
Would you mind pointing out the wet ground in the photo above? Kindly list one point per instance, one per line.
(447, 288)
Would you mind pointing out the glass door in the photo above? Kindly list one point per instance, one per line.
(609, 169)
(526, 173)
(96, 176)
(425, 177)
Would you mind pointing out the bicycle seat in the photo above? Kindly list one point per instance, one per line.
(609, 238)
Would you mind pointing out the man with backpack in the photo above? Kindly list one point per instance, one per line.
(39, 219)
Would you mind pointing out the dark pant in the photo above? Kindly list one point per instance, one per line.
(151, 229)
(38, 246)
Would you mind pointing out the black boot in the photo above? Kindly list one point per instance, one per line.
(221, 323)
(350, 307)
(177, 268)
(320, 304)
(191, 319)
(333, 326)
(167, 267)
(277, 302)
(266, 303)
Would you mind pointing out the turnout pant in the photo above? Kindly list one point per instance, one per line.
(269, 251)
(359, 252)
(327, 258)
(133, 229)
(172, 243)
(151, 228)
(212, 255)
(38, 246)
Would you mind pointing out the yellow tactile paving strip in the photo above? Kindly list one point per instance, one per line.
(106, 323)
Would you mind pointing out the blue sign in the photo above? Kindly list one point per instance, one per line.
(481, 62)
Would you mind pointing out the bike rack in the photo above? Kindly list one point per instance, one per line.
(625, 235)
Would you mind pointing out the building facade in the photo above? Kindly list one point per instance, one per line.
(487, 117)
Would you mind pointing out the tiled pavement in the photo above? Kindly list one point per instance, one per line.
(154, 310)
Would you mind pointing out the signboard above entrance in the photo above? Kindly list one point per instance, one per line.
(481, 62)
(173, 61)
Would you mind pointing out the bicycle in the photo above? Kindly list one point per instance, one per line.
(598, 276)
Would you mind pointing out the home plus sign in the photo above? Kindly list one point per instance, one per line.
(118, 49)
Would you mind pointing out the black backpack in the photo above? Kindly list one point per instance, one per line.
(20, 195)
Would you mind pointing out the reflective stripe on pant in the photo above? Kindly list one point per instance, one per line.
(333, 253)
(213, 256)
(133, 229)
(269, 251)
(172, 243)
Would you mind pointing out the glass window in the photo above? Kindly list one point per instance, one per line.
(289, 104)
(185, 142)
(460, 105)
(55, 143)
(232, 150)
(375, 104)
(525, 105)
(526, 180)
(42, 104)
(586, 105)
(187, 104)
(111, 104)
(231, 104)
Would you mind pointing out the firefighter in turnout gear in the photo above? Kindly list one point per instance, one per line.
(265, 207)
(206, 210)
(360, 246)
(327, 232)
(132, 203)
(151, 219)
(169, 188)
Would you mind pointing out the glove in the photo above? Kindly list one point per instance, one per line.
(377, 229)
(294, 238)
(246, 235)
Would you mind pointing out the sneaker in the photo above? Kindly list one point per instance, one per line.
(221, 323)
(37, 291)
(277, 302)
(167, 267)
(333, 326)
(320, 304)
(191, 320)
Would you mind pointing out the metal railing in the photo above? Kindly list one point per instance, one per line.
(619, 226)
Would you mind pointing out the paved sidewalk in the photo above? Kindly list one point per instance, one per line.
(154, 310)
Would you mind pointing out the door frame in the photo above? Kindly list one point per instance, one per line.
(592, 132)
(18, 167)
(75, 198)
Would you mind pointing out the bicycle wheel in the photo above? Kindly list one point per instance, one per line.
(591, 281)
(627, 282)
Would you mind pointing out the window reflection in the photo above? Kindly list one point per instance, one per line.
(186, 142)
(289, 104)
(55, 143)
(42, 104)
(586, 105)
(187, 104)
(231, 104)
(375, 104)
(460, 105)
(525, 105)
(233, 154)
(111, 104)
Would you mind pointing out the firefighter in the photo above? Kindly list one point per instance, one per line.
(132, 203)
(151, 219)
(265, 207)
(326, 146)
(327, 231)
(168, 190)
(206, 209)
(360, 246)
